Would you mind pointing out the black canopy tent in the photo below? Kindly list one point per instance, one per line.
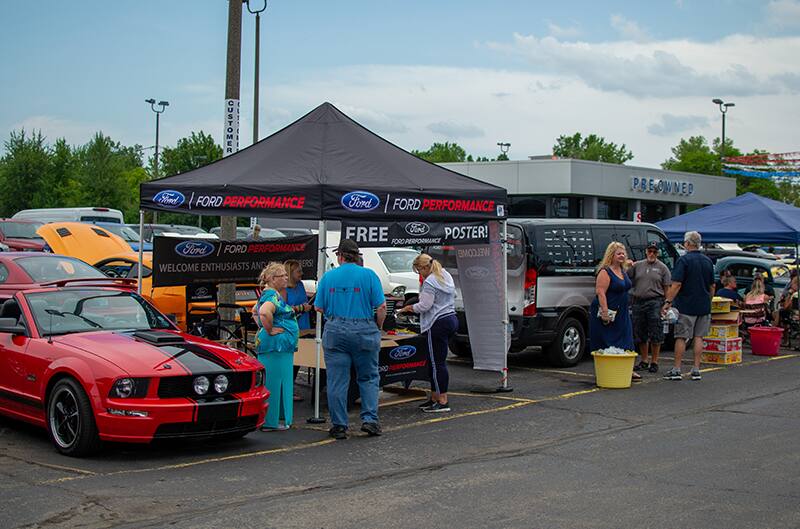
(326, 166)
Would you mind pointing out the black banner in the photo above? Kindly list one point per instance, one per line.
(406, 361)
(180, 261)
(415, 233)
(197, 292)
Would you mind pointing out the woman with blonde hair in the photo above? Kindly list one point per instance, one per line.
(756, 302)
(438, 320)
(276, 343)
(609, 320)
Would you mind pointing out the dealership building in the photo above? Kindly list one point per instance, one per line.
(566, 188)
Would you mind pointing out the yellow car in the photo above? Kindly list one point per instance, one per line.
(112, 255)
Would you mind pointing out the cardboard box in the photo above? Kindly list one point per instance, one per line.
(723, 331)
(720, 305)
(734, 357)
(722, 345)
(726, 318)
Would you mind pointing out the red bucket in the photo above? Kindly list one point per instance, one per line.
(765, 341)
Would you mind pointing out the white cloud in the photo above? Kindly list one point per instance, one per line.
(783, 14)
(562, 32)
(628, 29)
(374, 120)
(671, 125)
(452, 130)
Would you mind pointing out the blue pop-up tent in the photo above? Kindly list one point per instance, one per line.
(746, 218)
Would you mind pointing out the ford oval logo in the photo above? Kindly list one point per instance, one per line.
(202, 291)
(403, 352)
(477, 272)
(360, 201)
(417, 228)
(169, 198)
(194, 249)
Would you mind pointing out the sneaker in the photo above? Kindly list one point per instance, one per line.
(373, 429)
(696, 374)
(425, 404)
(338, 432)
(653, 367)
(437, 407)
(673, 374)
(641, 366)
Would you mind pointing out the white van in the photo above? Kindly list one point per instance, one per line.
(71, 215)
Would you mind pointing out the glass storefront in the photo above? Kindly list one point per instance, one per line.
(612, 209)
(572, 207)
(566, 207)
(527, 206)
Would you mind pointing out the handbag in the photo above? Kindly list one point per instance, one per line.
(611, 315)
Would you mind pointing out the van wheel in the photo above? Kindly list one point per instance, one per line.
(566, 350)
(461, 349)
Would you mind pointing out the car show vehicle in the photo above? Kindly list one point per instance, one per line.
(71, 215)
(20, 235)
(94, 364)
(127, 234)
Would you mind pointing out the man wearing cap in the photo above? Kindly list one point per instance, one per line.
(351, 298)
(650, 279)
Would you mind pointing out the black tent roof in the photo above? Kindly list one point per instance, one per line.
(326, 166)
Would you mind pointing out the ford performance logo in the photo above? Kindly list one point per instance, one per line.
(417, 228)
(194, 249)
(360, 201)
(403, 352)
(169, 198)
(476, 272)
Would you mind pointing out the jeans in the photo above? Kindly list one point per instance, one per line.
(356, 343)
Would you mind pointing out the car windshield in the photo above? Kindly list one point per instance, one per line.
(73, 310)
(21, 230)
(398, 260)
(780, 274)
(44, 268)
(127, 234)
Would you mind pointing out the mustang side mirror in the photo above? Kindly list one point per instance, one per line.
(12, 326)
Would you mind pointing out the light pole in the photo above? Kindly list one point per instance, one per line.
(723, 107)
(504, 146)
(257, 13)
(163, 105)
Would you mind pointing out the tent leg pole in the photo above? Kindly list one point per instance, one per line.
(321, 264)
(504, 387)
(141, 250)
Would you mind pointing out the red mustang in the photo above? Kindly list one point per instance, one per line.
(95, 364)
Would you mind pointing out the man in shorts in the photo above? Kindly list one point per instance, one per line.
(690, 293)
(651, 279)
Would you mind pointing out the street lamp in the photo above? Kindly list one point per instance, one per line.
(504, 148)
(257, 13)
(163, 105)
(723, 107)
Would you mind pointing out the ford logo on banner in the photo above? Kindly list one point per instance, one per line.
(476, 272)
(194, 249)
(169, 198)
(403, 352)
(360, 201)
(417, 228)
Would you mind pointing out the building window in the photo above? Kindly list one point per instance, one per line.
(653, 211)
(613, 210)
(566, 208)
(527, 206)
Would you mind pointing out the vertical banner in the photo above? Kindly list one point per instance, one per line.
(231, 143)
(480, 275)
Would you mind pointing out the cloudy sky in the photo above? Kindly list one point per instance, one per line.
(476, 73)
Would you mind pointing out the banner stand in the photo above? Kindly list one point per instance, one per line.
(321, 265)
(504, 386)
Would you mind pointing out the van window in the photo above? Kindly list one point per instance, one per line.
(95, 218)
(564, 249)
(666, 251)
(631, 237)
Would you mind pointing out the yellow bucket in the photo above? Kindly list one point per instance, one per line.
(613, 371)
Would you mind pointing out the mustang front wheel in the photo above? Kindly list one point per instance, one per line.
(70, 420)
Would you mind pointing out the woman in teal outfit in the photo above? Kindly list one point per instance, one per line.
(276, 343)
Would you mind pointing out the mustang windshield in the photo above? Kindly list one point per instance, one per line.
(82, 310)
(43, 268)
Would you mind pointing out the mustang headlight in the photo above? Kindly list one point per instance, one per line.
(201, 385)
(399, 292)
(123, 388)
(221, 384)
(259, 377)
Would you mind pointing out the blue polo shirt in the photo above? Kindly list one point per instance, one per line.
(695, 272)
(349, 291)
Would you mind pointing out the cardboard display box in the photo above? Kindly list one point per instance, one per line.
(723, 331)
(722, 345)
(734, 357)
(726, 318)
(720, 305)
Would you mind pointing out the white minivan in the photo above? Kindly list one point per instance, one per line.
(71, 215)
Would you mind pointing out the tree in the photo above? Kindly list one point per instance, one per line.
(24, 169)
(592, 147)
(190, 153)
(442, 153)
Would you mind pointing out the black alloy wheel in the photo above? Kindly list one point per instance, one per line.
(70, 420)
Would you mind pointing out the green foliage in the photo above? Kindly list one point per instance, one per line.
(442, 152)
(190, 153)
(24, 172)
(592, 147)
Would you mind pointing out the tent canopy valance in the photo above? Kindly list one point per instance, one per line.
(748, 218)
(326, 166)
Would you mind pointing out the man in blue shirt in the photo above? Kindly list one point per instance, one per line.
(691, 292)
(348, 296)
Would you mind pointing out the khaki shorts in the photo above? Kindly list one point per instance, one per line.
(688, 327)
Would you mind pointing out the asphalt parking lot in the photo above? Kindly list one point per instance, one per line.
(556, 452)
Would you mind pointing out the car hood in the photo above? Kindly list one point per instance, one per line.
(139, 357)
(87, 242)
(408, 279)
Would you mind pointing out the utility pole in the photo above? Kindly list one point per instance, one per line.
(230, 144)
